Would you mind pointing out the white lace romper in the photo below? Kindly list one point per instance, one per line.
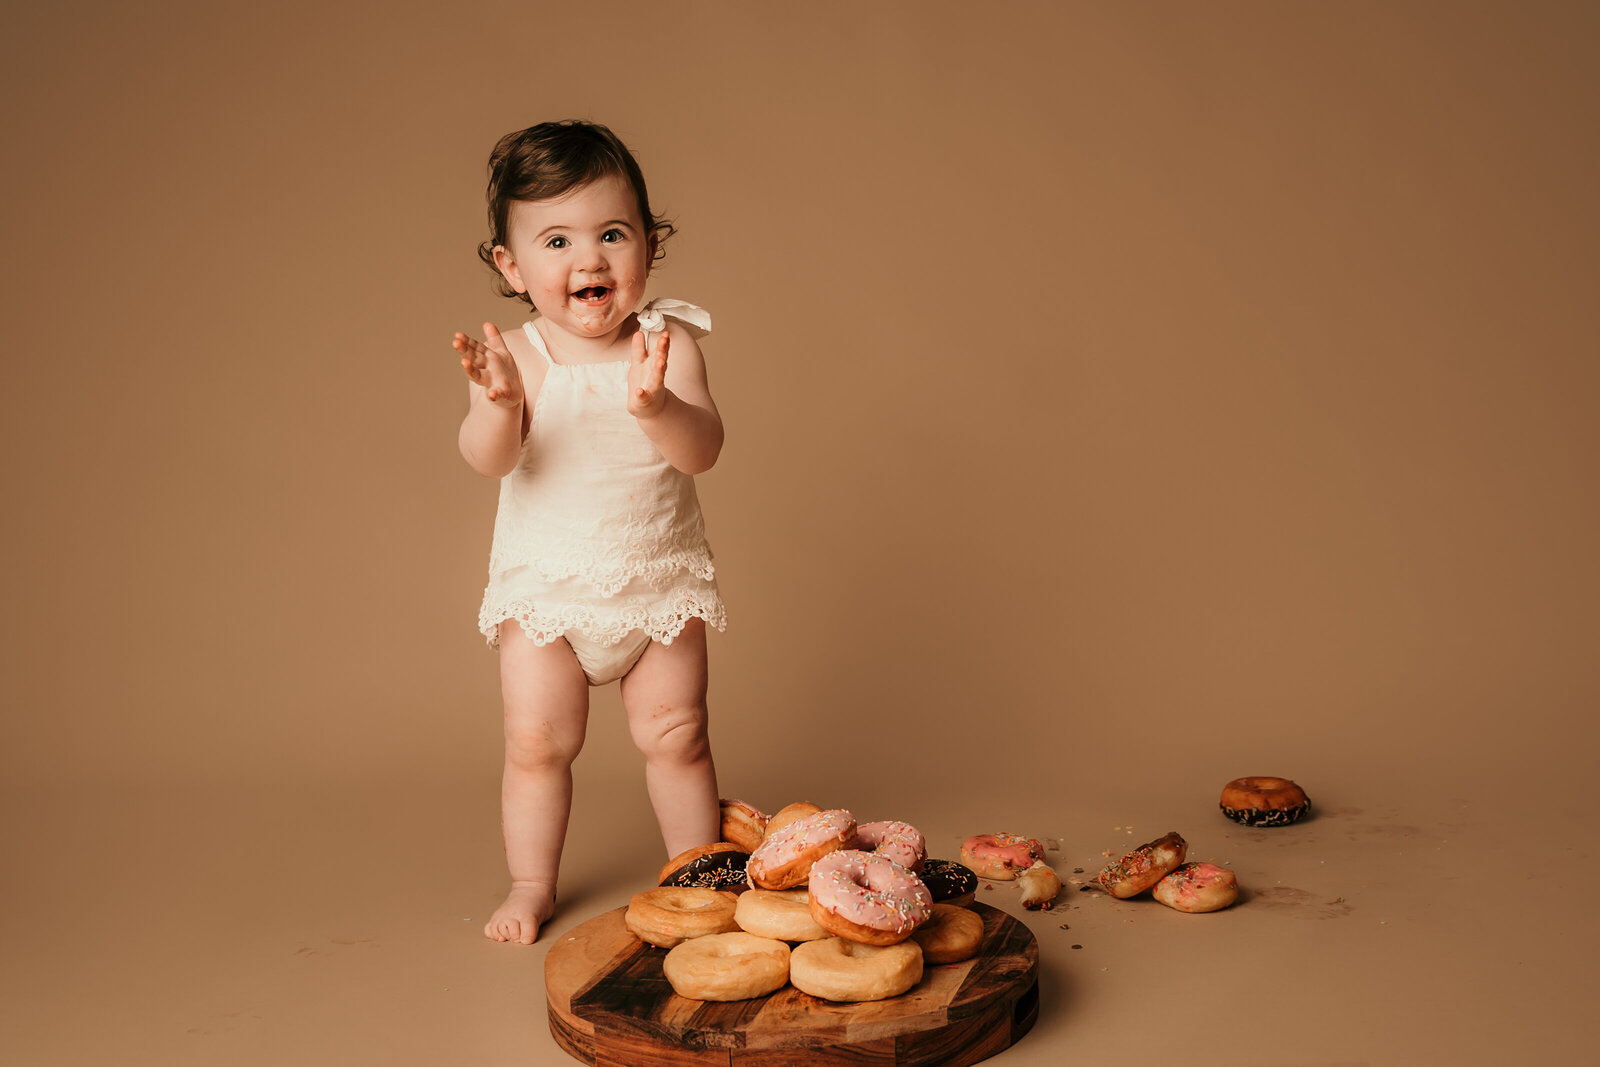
(598, 538)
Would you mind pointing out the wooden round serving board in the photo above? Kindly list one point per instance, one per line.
(610, 1005)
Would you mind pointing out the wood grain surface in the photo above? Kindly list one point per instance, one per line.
(611, 1005)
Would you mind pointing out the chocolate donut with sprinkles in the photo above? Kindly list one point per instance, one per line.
(949, 882)
(1264, 801)
(715, 866)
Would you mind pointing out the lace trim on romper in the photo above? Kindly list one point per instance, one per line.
(595, 531)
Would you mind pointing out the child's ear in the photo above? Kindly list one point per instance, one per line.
(654, 246)
(507, 266)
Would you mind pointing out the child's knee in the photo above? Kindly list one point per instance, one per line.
(540, 748)
(675, 735)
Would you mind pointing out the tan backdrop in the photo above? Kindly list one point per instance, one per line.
(1122, 376)
(1208, 388)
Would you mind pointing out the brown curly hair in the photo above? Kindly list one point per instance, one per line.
(549, 160)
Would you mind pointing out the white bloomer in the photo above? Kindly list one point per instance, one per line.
(598, 538)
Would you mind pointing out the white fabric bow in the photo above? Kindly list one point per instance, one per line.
(696, 319)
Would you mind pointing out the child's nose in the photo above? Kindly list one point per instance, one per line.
(593, 258)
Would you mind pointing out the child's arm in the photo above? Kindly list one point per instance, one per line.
(491, 434)
(673, 403)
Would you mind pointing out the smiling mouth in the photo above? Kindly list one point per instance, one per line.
(592, 294)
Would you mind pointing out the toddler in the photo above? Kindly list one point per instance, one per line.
(599, 568)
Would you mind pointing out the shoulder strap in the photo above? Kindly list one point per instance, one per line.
(537, 341)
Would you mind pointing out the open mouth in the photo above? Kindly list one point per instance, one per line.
(593, 294)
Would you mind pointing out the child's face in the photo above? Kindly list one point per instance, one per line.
(582, 258)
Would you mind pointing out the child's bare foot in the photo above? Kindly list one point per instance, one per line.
(526, 908)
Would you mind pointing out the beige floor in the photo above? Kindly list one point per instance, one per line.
(298, 926)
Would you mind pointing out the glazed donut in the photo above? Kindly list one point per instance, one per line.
(1197, 887)
(897, 841)
(1000, 856)
(864, 897)
(952, 935)
(1264, 801)
(1144, 866)
(1039, 886)
(732, 966)
(784, 859)
(718, 866)
(784, 915)
(836, 969)
(669, 915)
(742, 824)
(949, 881)
(788, 814)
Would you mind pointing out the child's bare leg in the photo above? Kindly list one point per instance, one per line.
(546, 712)
(665, 697)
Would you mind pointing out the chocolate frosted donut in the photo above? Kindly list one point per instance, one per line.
(949, 881)
(1264, 801)
(716, 866)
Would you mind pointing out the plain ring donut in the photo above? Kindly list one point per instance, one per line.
(732, 966)
(669, 915)
(743, 824)
(841, 970)
(952, 935)
(781, 914)
(787, 814)
(1264, 801)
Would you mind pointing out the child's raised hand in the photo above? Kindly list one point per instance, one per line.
(647, 374)
(489, 363)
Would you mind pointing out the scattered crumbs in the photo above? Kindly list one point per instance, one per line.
(1128, 831)
(1337, 900)
(1104, 968)
(1083, 889)
(1106, 852)
(1383, 922)
(989, 886)
(1077, 870)
(1064, 926)
(1077, 946)
(1052, 844)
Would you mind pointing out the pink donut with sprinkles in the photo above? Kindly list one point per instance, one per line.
(1001, 856)
(897, 841)
(784, 859)
(867, 898)
(1198, 887)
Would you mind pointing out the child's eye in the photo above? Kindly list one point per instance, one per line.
(612, 236)
(556, 242)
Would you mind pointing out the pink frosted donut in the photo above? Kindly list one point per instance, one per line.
(864, 897)
(1000, 855)
(784, 859)
(1198, 887)
(897, 841)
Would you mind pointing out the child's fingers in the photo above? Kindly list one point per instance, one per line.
(639, 353)
(491, 334)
